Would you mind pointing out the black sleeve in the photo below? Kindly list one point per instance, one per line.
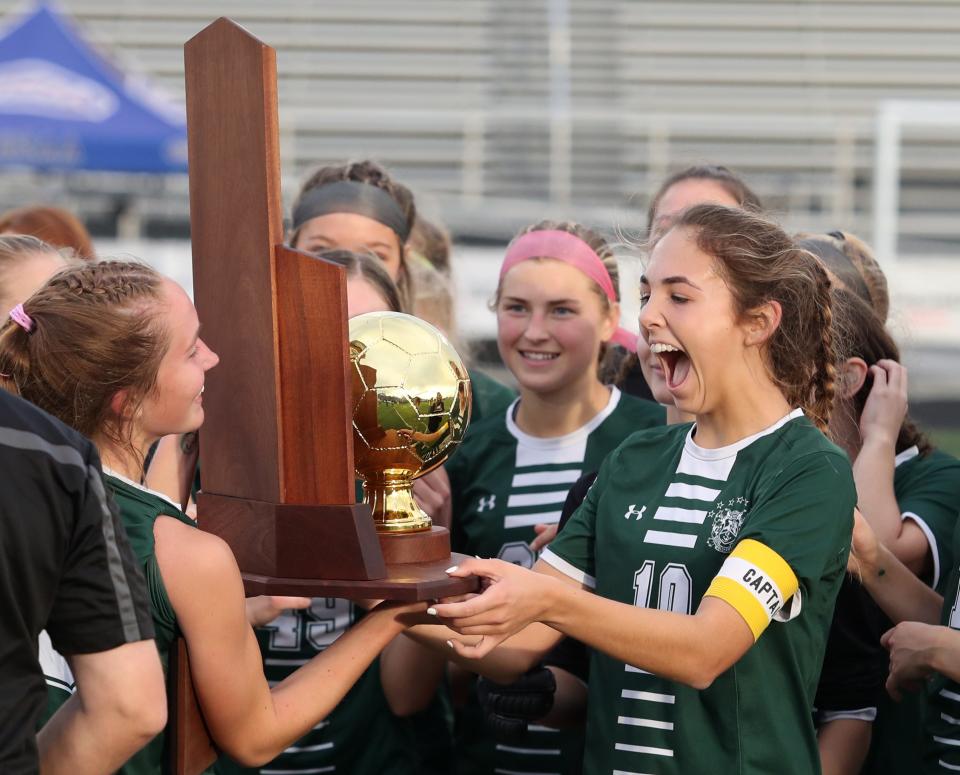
(575, 497)
(855, 664)
(571, 654)
(101, 600)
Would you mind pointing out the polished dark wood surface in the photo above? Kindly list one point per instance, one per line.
(294, 541)
(428, 546)
(407, 581)
(189, 747)
(315, 405)
(236, 220)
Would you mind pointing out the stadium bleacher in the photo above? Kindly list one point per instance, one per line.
(492, 109)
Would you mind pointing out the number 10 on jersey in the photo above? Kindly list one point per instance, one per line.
(673, 589)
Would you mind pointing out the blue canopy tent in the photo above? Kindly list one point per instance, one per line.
(65, 107)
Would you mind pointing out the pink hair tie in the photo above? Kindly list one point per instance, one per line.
(21, 318)
(570, 249)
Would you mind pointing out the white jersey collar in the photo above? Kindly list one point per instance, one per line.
(573, 437)
(730, 450)
(125, 480)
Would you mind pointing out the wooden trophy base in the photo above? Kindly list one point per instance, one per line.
(416, 565)
(331, 551)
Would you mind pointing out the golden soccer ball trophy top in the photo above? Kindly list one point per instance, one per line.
(411, 406)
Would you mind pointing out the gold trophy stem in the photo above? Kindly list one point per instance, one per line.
(393, 506)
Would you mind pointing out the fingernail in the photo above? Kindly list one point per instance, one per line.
(451, 569)
(450, 643)
(432, 611)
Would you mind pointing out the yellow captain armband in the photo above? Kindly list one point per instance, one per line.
(757, 581)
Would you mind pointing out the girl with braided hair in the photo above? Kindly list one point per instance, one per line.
(703, 565)
(699, 184)
(113, 349)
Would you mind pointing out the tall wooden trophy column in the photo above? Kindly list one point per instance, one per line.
(277, 441)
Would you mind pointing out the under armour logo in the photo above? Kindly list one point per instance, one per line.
(489, 502)
(632, 512)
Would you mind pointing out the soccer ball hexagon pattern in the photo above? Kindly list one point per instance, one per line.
(411, 394)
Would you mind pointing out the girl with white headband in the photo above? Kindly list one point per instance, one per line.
(557, 307)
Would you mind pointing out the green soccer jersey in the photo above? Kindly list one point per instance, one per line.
(361, 736)
(765, 525)
(941, 738)
(139, 509)
(503, 482)
(927, 489)
(928, 492)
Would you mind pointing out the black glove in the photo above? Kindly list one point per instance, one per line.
(508, 708)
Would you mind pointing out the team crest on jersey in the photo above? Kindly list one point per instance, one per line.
(727, 519)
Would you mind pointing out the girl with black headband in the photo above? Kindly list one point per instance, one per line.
(357, 207)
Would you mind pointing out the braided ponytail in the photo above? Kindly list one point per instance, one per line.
(824, 376)
(95, 332)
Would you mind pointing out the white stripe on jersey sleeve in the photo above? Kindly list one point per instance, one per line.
(931, 541)
(568, 569)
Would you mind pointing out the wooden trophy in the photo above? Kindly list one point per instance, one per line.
(277, 441)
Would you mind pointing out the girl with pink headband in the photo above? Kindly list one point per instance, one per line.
(557, 307)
